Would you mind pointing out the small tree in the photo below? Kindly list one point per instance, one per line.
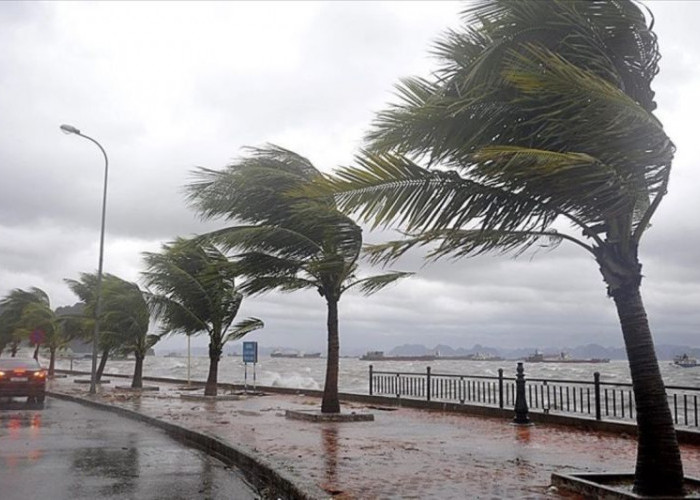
(86, 290)
(194, 291)
(125, 319)
(27, 311)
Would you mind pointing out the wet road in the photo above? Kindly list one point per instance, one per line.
(68, 451)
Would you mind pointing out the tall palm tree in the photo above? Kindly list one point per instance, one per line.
(541, 112)
(125, 319)
(288, 242)
(195, 291)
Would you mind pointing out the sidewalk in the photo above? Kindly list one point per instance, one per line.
(405, 453)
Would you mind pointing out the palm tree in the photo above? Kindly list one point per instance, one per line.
(541, 113)
(288, 243)
(125, 319)
(194, 292)
(86, 289)
(12, 330)
(26, 311)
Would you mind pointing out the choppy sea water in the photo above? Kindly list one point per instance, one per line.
(354, 373)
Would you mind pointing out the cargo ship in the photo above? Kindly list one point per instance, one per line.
(379, 356)
(295, 355)
(538, 357)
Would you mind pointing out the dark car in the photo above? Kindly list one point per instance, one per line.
(22, 377)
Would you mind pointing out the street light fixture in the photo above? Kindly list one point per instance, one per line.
(69, 129)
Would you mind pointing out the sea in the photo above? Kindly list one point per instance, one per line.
(309, 373)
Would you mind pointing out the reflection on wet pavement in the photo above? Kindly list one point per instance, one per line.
(405, 453)
(69, 451)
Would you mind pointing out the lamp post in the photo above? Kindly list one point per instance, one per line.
(69, 129)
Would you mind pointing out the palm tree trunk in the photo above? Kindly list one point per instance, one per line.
(659, 470)
(101, 367)
(210, 389)
(137, 381)
(36, 353)
(331, 403)
(52, 361)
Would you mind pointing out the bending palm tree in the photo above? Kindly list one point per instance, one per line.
(124, 322)
(542, 111)
(195, 292)
(12, 329)
(291, 243)
(27, 311)
(86, 290)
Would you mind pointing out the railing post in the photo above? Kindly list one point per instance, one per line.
(500, 387)
(371, 380)
(596, 383)
(427, 392)
(521, 410)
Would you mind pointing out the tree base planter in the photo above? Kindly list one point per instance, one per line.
(83, 381)
(613, 485)
(317, 416)
(250, 393)
(202, 397)
(145, 388)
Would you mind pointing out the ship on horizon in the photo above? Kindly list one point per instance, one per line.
(563, 357)
(379, 356)
(295, 355)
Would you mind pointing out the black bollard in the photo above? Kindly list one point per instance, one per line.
(521, 410)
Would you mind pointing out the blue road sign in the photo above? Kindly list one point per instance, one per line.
(250, 352)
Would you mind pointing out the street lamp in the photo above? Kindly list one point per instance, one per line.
(69, 129)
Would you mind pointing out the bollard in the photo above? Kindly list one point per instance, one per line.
(500, 388)
(596, 384)
(521, 410)
(428, 383)
(370, 380)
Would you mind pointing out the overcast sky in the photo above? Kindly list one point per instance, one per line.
(166, 87)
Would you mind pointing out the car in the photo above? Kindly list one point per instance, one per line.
(22, 377)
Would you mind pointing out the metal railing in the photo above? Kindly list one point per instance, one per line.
(596, 399)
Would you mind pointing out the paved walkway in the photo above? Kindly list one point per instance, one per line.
(405, 453)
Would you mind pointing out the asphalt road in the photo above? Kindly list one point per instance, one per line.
(68, 451)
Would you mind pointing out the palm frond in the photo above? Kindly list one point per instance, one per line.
(373, 284)
(392, 190)
(243, 328)
(262, 284)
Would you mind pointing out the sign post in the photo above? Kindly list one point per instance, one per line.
(250, 355)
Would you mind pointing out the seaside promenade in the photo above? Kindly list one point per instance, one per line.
(403, 453)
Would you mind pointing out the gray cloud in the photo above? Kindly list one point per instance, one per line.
(169, 86)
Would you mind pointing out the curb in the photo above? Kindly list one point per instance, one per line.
(269, 482)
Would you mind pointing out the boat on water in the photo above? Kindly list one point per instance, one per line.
(539, 357)
(685, 361)
(478, 356)
(295, 355)
(379, 356)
